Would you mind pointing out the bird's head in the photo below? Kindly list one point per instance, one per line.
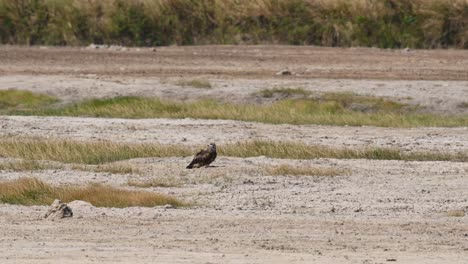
(212, 146)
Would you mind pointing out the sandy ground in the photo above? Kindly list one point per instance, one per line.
(380, 212)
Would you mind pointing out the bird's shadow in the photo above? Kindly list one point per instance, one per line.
(204, 167)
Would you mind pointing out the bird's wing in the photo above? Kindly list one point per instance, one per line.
(201, 156)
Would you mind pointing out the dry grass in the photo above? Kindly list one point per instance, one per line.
(30, 191)
(26, 165)
(456, 213)
(195, 83)
(85, 152)
(34, 165)
(294, 150)
(101, 152)
(108, 167)
(305, 171)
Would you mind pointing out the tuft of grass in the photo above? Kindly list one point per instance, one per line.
(304, 171)
(31, 191)
(26, 165)
(86, 152)
(34, 165)
(456, 213)
(295, 150)
(20, 100)
(195, 83)
(108, 167)
(166, 182)
(100, 152)
(463, 105)
(283, 92)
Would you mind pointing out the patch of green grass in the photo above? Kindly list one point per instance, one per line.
(195, 83)
(124, 107)
(332, 111)
(327, 109)
(284, 92)
(304, 171)
(100, 152)
(31, 191)
(20, 100)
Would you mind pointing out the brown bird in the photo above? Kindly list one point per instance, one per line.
(204, 157)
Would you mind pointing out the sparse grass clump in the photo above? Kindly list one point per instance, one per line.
(34, 165)
(86, 152)
(456, 213)
(31, 191)
(19, 100)
(195, 83)
(304, 171)
(463, 105)
(26, 165)
(108, 167)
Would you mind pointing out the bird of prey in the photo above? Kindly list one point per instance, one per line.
(204, 157)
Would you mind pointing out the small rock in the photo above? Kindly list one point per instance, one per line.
(58, 210)
(168, 206)
(284, 72)
(248, 182)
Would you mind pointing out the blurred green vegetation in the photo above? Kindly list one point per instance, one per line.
(374, 23)
(18, 100)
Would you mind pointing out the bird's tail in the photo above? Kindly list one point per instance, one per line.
(190, 166)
